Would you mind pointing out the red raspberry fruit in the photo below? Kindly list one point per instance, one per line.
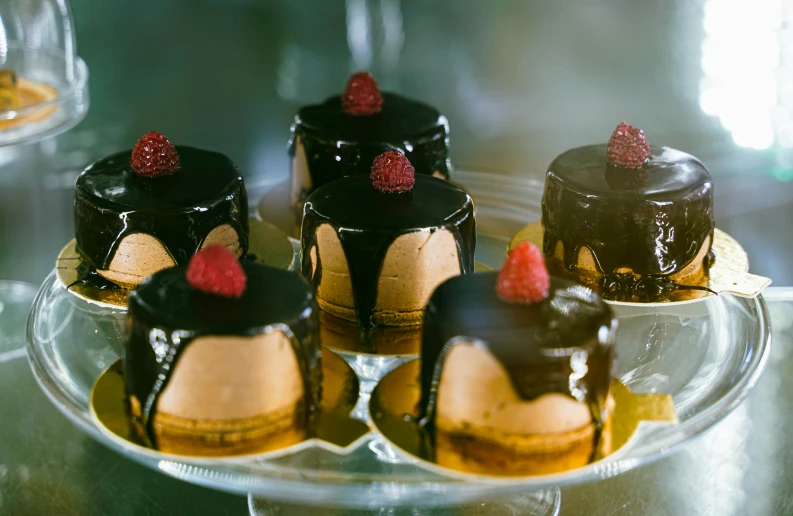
(523, 278)
(628, 147)
(361, 95)
(215, 270)
(392, 173)
(154, 155)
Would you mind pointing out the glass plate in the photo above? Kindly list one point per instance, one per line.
(708, 355)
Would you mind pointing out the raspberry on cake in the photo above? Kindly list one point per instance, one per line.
(215, 270)
(523, 277)
(362, 95)
(632, 220)
(222, 359)
(392, 173)
(375, 247)
(342, 136)
(516, 384)
(144, 210)
(154, 155)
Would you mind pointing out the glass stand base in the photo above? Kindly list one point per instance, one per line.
(539, 503)
(370, 369)
(16, 298)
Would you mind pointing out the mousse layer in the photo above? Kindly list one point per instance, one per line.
(229, 371)
(375, 258)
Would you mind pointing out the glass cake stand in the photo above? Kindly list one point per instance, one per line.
(708, 355)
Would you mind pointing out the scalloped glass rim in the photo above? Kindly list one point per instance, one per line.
(728, 352)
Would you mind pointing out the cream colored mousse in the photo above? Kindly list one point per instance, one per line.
(139, 255)
(414, 265)
(231, 395)
(694, 274)
(483, 426)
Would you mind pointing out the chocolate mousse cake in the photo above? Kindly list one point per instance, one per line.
(343, 135)
(376, 247)
(633, 220)
(140, 211)
(222, 357)
(516, 369)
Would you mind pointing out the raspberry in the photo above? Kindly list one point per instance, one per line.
(523, 278)
(215, 270)
(627, 147)
(392, 173)
(361, 95)
(154, 155)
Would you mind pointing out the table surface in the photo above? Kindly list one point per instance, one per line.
(519, 83)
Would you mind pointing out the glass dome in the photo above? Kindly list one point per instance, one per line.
(43, 82)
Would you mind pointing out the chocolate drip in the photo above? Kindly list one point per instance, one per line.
(338, 144)
(652, 220)
(560, 345)
(180, 210)
(165, 315)
(368, 222)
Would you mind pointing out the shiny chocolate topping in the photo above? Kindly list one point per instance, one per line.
(166, 314)
(368, 222)
(112, 201)
(652, 220)
(562, 344)
(338, 144)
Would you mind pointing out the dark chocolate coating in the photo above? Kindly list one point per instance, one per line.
(338, 144)
(562, 344)
(166, 314)
(111, 201)
(368, 222)
(653, 220)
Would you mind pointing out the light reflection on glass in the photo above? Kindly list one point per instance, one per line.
(741, 65)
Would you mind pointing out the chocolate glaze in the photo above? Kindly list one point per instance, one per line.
(653, 220)
(338, 144)
(368, 222)
(560, 345)
(166, 314)
(111, 202)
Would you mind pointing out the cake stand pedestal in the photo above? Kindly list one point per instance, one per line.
(706, 355)
(539, 503)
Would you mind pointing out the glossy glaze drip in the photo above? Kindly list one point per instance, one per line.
(180, 210)
(166, 314)
(560, 345)
(338, 144)
(652, 220)
(368, 222)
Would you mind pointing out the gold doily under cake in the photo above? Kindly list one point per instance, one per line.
(395, 400)
(727, 273)
(266, 244)
(333, 427)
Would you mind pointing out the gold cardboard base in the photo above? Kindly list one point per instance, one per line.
(333, 425)
(266, 244)
(394, 404)
(727, 273)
